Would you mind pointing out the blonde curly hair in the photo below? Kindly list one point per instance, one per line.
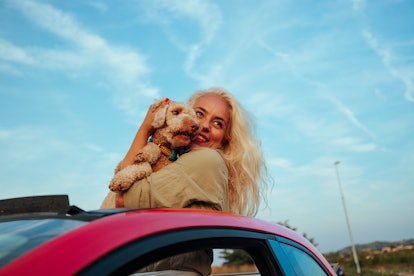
(241, 151)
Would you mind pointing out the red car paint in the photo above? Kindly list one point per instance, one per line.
(72, 251)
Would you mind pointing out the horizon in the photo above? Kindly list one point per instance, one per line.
(369, 243)
(325, 81)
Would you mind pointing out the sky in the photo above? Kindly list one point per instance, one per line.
(325, 81)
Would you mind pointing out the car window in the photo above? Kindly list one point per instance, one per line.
(302, 262)
(227, 260)
(235, 262)
(19, 236)
(132, 258)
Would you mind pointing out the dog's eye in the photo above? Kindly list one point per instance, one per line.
(175, 112)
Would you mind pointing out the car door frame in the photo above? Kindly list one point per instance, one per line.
(144, 251)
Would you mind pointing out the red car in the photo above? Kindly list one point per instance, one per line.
(121, 241)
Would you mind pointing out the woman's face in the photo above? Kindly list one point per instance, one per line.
(213, 114)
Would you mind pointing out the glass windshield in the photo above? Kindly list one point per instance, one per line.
(20, 236)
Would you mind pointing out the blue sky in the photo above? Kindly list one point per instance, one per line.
(325, 80)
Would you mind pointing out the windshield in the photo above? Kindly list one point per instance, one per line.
(20, 236)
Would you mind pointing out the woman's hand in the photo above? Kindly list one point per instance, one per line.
(144, 132)
(146, 126)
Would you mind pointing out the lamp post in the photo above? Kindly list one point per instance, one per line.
(336, 163)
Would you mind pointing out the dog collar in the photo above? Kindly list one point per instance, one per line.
(171, 154)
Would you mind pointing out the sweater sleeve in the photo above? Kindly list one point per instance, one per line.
(198, 179)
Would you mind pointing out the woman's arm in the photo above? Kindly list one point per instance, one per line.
(142, 135)
(198, 179)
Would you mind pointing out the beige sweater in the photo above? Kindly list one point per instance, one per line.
(198, 179)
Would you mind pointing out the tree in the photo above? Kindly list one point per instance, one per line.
(235, 257)
(240, 257)
(286, 224)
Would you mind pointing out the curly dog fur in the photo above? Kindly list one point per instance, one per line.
(175, 126)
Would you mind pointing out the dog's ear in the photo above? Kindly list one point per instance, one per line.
(160, 116)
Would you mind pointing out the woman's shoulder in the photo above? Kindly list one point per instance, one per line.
(203, 163)
(203, 154)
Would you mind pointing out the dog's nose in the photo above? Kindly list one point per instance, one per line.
(194, 127)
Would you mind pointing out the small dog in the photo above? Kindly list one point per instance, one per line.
(175, 126)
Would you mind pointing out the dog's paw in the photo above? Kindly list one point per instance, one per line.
(150, 153)
(125, 178)
(118, 184)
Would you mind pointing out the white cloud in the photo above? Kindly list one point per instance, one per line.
(59, 23)
(40, 160)
(280, 162)
(94, 148)
(102, 7)
(9, 69)
(12, 53)
(272, 104)
(351, 116)
(92, 48)
(358, 5)
(28, 143)
(125, 68)
(206, 15)
(5, 134)
(379, 94)
(285, 58)
(353, 144)
(386, 56)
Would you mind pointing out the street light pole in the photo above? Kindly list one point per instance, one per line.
(347, 220)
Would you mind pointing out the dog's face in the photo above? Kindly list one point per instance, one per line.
(178, 123)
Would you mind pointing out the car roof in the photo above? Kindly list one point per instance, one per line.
(113, 228)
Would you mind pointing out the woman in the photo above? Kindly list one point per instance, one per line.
(224, 170)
